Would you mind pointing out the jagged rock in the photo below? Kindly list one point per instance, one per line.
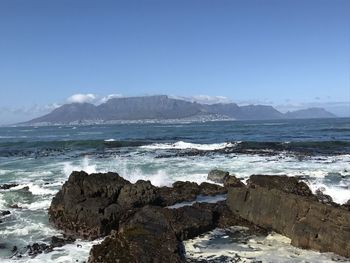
(323, 198)
(4, 213)
(284, 183)
(146, 237)
(217, 176)
(15, 206)
(137, 195)
(91, 206)
(232, 181)
(287, 206)
(86, 204)
(61, 241)
(7, 186)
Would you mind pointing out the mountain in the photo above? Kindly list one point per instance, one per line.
(164, 108)
(309, 113)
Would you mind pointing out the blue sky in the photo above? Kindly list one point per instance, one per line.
(289, 53)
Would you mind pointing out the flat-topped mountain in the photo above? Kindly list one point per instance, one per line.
(164, 108)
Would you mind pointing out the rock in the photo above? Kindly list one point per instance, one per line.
(15, 206)
(232, 181)
(86, 204)
(285, 205)
(146, 237)
(217, 176)
(211, 189)
(283, 183)
(91, 206)
(138, 195)
(38, 248)
(7, 186)
(4, 213)
(323, 198)
(61, 241)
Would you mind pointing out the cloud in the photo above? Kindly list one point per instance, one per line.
(111, 96)
(82, 98)
(204, 99)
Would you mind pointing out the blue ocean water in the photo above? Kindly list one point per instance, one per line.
(40, 159)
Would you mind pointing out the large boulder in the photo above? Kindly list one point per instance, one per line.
(217, 176)
(92, 205)
(86, 205)
(146, 237)
(288, 207)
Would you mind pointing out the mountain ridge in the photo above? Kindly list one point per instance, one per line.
(161, 107)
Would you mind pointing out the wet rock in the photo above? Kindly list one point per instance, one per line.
(86, 204)
(91, 206)
(217, 176)
(232, 181)
(4, 213)
(283, 183)
(61, 241)
(146, 237)
(7, 186)
(38, 248)
(138, 195)
(323, 198)
(287, 206)
(15, 206)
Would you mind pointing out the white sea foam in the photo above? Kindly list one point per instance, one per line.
(85, 165)
(76, 252)
(110, 140)
(201, 199)
(274, 248)
(180, 145)
(35, 189)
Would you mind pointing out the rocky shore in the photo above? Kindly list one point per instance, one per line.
(139, 224)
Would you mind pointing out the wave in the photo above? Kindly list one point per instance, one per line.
(180, 145)
(55, 148)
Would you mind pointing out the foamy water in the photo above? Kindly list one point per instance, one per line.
(40, 175)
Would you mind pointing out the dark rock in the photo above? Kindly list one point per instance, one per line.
(138, 195)
(38, 248)
(7, 186)
(85, 206)
(61, 241)
(91, 206)
(15, 206)
(211, 189)
(146, 237)
(232, 181)
(14, 249)
(286, 206)
(283, 183)
(323, 198)
(4, 213)
(217, 176)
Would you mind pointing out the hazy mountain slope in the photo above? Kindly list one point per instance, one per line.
(309, 113)
(150, 107)
(70, 113)
(165, 108)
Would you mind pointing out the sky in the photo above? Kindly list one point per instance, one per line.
(287, 53)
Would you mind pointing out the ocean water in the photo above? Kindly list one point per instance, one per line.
(40, 159)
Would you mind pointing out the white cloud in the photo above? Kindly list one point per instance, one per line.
(111, 96)
(204, 99)
(82, 98)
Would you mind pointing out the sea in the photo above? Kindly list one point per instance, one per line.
(40, 159)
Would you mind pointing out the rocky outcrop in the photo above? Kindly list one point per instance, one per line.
(155, 234)
(217, 176)
(92, 205)
(287, 206)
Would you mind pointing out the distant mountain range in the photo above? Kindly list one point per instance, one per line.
(164, 108)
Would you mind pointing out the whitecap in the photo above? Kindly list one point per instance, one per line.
(181, 145)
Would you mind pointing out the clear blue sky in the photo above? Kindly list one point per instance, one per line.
(278, 51)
